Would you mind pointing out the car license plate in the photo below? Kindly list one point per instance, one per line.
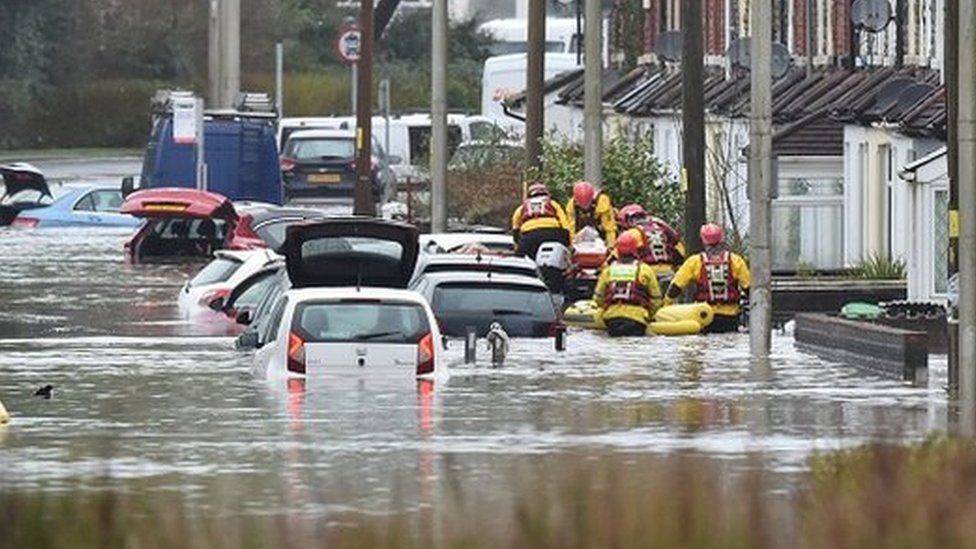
(324, 178)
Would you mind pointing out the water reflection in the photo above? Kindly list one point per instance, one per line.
(145, 402)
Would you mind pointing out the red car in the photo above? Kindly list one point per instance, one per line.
(186, 223)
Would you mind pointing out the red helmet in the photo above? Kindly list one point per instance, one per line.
(627, 244)
(711, 234)
(538, 189)
(627, 214)
(583, 194)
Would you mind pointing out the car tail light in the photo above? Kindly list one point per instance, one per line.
(288, 164)
(209, 298)
(425, 354)
(296, 353)
(25, 222)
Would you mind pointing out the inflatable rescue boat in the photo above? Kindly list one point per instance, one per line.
(672, 320)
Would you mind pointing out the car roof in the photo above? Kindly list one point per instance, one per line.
(245, 255)
(270, 214)
(449, 241)
(299, 295)
(450, 277)
(322, 133)
(467, 259)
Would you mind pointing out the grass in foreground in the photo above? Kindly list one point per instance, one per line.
(876, 496)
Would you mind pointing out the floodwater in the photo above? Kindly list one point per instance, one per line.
(143, 403)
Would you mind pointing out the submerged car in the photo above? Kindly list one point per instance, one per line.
(79, 206)
(210, 287)
(348, 312)
(522, 305)
(24, 188)
(185, 223)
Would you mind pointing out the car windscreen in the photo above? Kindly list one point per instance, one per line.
(493, 300)
(347, 321)
(256, 289)
(321, 148)
(218, 270)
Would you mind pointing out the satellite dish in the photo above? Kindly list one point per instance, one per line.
(781, 60)
(668, 46)
(739, 55)
(911, 95)
(889, 93)
(871, 15)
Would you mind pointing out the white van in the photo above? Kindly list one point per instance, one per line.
(504, 75)
(511, 35)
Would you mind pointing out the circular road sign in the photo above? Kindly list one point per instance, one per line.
(347, 45)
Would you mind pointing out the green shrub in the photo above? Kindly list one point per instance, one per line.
(880, 267)
(631, 173)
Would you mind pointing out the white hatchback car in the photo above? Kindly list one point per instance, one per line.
(348, 313)
(218, 278)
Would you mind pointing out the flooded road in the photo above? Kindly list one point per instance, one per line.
(145, 404)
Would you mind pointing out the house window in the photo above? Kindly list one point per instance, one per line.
(808, 219)
(940, 256)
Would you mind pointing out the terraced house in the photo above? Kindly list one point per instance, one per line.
(857, 102)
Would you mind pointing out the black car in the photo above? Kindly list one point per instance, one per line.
(321, 164)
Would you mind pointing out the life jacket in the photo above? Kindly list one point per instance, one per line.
(625, 287)
(716, 282)
(537, 207)
(587, 218)
(660, 244)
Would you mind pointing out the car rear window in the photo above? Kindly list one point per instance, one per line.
(348, 247)
(475, 299)
(360, 321)
(218, 270)
(331, 148)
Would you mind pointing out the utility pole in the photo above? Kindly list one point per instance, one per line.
(224, 53)
(438, 118)
(534, 79)
(693, 116)
(966, 139)
(593, 94)
(280, 78)
(760, 176)
(951, 79)
(363, 200)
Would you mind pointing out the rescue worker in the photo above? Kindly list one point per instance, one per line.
(662, 247)
(537, 220)
(591, 208)
(627, 291)
(721, 279)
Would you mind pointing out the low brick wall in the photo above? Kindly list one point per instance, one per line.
(882, 349)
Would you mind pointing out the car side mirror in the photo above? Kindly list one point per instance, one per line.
(216, 304)
(244, 317)
(247, 340)
(128, 185)
(444, 341)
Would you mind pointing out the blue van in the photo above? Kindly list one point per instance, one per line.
(241, 154)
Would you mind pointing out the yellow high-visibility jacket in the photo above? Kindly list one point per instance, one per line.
(602, 218)
(623, 272)
(691, 271)
(556, 221)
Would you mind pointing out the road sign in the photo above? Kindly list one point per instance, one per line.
(347, 44)
(187, 116)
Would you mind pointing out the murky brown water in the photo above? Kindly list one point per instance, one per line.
(143, 404)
